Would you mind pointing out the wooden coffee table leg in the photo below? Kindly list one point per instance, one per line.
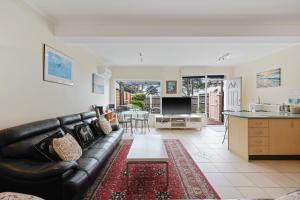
(127, 177)
(167, 170)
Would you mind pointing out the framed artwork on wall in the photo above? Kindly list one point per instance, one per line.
(57, 66)
(171, 87)
(270, 78)
(98, 84)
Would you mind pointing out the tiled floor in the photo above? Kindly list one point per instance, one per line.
(231, 176)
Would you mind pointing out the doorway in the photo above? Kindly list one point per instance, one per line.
(207, 93)
(215, 99)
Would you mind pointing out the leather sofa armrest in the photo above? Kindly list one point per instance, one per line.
(31, 170)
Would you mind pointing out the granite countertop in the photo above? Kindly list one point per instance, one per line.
(263, 115)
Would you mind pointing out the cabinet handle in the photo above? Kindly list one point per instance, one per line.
(292, 123)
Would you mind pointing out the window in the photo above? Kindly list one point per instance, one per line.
(194, 86)
(144, 95)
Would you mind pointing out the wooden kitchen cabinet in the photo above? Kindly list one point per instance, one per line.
(285, 137)
(265, 137)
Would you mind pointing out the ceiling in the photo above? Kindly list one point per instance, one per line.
(60, 10)
(175, 32)
(179, 52)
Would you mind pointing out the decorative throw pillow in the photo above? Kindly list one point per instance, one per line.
(45, 147)
(67, 148)
(105, 125)
(17, 196)
(84, 135)
(97, 129)
(114, 127)
(117, 120)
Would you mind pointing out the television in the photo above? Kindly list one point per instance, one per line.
(176, 105)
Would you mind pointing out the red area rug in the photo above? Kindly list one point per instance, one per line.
(148, 181)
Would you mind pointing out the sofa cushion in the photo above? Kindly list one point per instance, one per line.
(117, 134)
(69, 119)
(17, 196)
(70, 128)
(98, 154)
(114, 127)
(22, 169)
(103, 145)
(96, 128)
(25, 148)
(45, 147)
(105, 126)
(76, 185)
(88, 115)
(84, 135)
(89, 165)
(22, 132)
(67, 148)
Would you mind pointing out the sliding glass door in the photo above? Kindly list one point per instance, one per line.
(207, 96)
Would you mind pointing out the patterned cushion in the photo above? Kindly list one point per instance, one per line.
(115, 127)
(84, 135)
(17, 196)
(105, 125)
(45, 147)
(67, 148)
(97, 129)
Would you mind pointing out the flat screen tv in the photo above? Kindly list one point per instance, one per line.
(176, 105)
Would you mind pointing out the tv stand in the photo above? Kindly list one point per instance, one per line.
(178, 121)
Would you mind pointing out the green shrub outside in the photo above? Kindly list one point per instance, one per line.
(138, 100)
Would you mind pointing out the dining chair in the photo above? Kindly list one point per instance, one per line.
(124, 120)
(144, 121)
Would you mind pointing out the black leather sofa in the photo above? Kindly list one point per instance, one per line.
(21, 171)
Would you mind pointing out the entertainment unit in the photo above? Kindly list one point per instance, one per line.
(178, 121)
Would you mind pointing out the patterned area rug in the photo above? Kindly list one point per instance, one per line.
(148, 181)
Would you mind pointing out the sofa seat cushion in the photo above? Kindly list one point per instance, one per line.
(89, 165)
(103, 145)
(118, 133)
(109, 139)
(76, 185)
(30, 170)
(98, 154)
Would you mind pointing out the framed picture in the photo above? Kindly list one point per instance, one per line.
(171, 87)
(98, 84)
(57, 66)
(270, 78)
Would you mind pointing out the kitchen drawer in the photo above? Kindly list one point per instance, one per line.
(258, 141)
(255, 150)
(254, 132)
(258, 123)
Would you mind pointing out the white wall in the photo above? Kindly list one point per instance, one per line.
(163, 74)
(25, 97)
(289, 62)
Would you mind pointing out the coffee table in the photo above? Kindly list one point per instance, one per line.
(147, 149)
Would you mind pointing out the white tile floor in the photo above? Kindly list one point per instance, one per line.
(231, 176)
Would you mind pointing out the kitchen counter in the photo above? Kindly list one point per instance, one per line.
(264, 135)
(263, 115)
